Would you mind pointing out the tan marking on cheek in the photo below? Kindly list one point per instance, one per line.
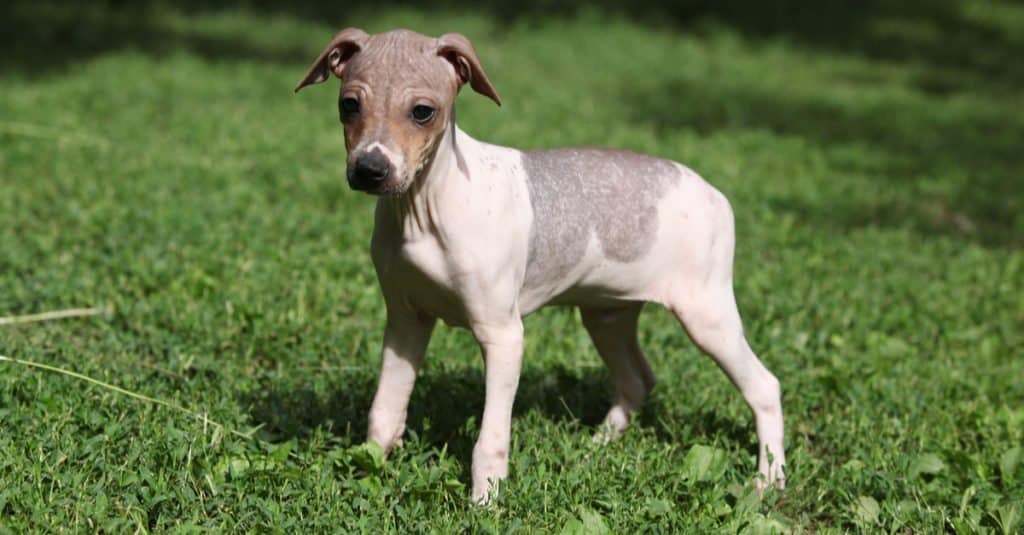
(422, 156)
(424, 143)
(403, 137)
(353, 133)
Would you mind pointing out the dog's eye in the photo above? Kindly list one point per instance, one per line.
(423, 114)
(349, 106)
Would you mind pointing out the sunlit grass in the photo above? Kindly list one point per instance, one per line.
(154, 160)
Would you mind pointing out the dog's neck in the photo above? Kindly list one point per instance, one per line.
(442, 181)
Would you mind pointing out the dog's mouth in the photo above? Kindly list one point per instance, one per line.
(394, 186)
(399, 178)
(388, 187)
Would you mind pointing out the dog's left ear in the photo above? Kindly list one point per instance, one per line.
(457, 49)
(334, 57)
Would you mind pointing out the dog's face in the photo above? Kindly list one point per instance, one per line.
(396, 100)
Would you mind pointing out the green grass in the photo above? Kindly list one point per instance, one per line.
(154, 159)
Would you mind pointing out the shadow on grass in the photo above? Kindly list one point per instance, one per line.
(954, 173)
(44, 36)
(978, 155)
(48, 37)
(446, 406)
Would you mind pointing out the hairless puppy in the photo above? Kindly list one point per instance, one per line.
(480, 235)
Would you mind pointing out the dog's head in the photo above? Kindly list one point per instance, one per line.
(397, 95)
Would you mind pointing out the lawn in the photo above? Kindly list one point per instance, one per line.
(154, 162)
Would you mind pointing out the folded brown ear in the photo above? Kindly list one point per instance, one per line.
(457, 49)
(334, 57)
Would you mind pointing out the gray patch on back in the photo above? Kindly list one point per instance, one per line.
(577, 193)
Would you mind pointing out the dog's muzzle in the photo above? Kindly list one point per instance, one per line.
(370, 172)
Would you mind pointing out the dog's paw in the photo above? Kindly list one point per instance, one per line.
(613, 426)
(777, 479)
(483, 494)
(606, 434)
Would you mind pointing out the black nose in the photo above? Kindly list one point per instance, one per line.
(370, 170)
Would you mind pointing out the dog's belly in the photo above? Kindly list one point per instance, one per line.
(598, 282)
(592, 280)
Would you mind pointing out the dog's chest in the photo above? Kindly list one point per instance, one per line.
(426, 280)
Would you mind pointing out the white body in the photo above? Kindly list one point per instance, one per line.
(480, 235)
(457, 248)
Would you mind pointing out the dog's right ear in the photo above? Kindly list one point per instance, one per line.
(457, 49)
(333, 59)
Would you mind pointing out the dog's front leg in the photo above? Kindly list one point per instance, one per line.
(405, 341)
(502, 346)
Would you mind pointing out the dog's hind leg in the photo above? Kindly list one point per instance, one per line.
(712, 320)
(614, 334)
